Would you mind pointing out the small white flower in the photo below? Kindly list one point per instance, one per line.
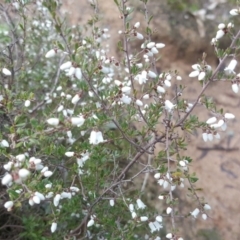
(53, 227)
(4, 143)
(229, 116)
(139, 102)
(69, 154)
(27, 103)
(7, 179)
(134, 215)
(51, 53)
(220, 34)
(159, 218)
(211, 120)
(111, 202)
(56, 200)
(77, 121)
(75, 99)
(131, 207)
(141, 78)
(152, 74)
(160, 45)
(78, 73)
(204, 216)
(157, 175)
(146, 96)
(47, 174)
(8, 205)
(169, 210)
(201, 76)
(169, 236)
(235, 87)
(126, 90)
(36, 199)
(137, 25)
(96, 137)
(53, 121)
(90, 223)
(234, 12)
(194, 73)
(143, 219)
(169, 105)
(231, 66)
(6, 72)
(140, 204)
(139, 36)
(23, 173)
(195, 212)
(161, 197)
(179, 78)
(206, 207)
(151, 44)
(160, 89)
(66, 65)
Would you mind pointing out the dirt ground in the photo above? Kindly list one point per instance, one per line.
(217, 163)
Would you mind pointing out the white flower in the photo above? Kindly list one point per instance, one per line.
(125, 99)
(36, 199)
(157, 175)
(179, 78)
(235, 87)
(206, 207)
(90, 223)
(141, 78)
(47, 174)
(205, 137)
(96, 137)
(229, 116)
(160, 45)
(51, 53)
(161, 197)
(137, 25)
(169, 106)
(154, 226)
(201, 76)
(221, 26)
(77, 121)
(78, 73)
(27, 103)
(69, 154)
(56, 200)
(211, 120)
(234, 12)
(8, 205)
(195, 212)
(139, 102)
(111, 202)
(194, 73)
(66, 65)
(53, 227)
(160, 89)
(53, 121)
(159, 218)
(7, 179)
(169, 210)
(151, 44)
(143, 219)
(140, 204)
(167, 83)
(139, 35)
(23, 173)
(126, 90)
(75, 99)
(8, 166)
(220, 34)
(152, 74)
(231, 66)
(6, 72)
(169, 236)
(131, 207)
(4, 143)
(204, 216)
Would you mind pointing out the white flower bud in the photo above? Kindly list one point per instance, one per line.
(90, 223)
(211, 120)
(143, 219)
(53, 227)
(137, 25)
(111, 202)
(47, 174)
(53, 121)
(6, 72)
(139, 102)
(75, 99)
(195, 212)
(66, 65)
(8, 205)
(134, 215)
(220, 34)
(4, 143)
(206, 207)
(167, 83)
(201, 76)
(7, 179)
(157, 175)
(77, 121)
(50, 53)
(229, 116)
(151, 44)
(234, 12)
(235, 87)
(36, 199)
(139, 36)
(140, 204)
(169, 236)
(169, 210)
(194, 73)
(221, 26)
(159, 218)
(152, 74)
(23, 173)
(56, 200)
(154, 50)
(78, 73)
(160, 45)
(69, 154)
(179, 78)
(204, 216)
(160, 89)
(27, 103)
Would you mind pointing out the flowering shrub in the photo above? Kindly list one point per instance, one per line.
(79, 126)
